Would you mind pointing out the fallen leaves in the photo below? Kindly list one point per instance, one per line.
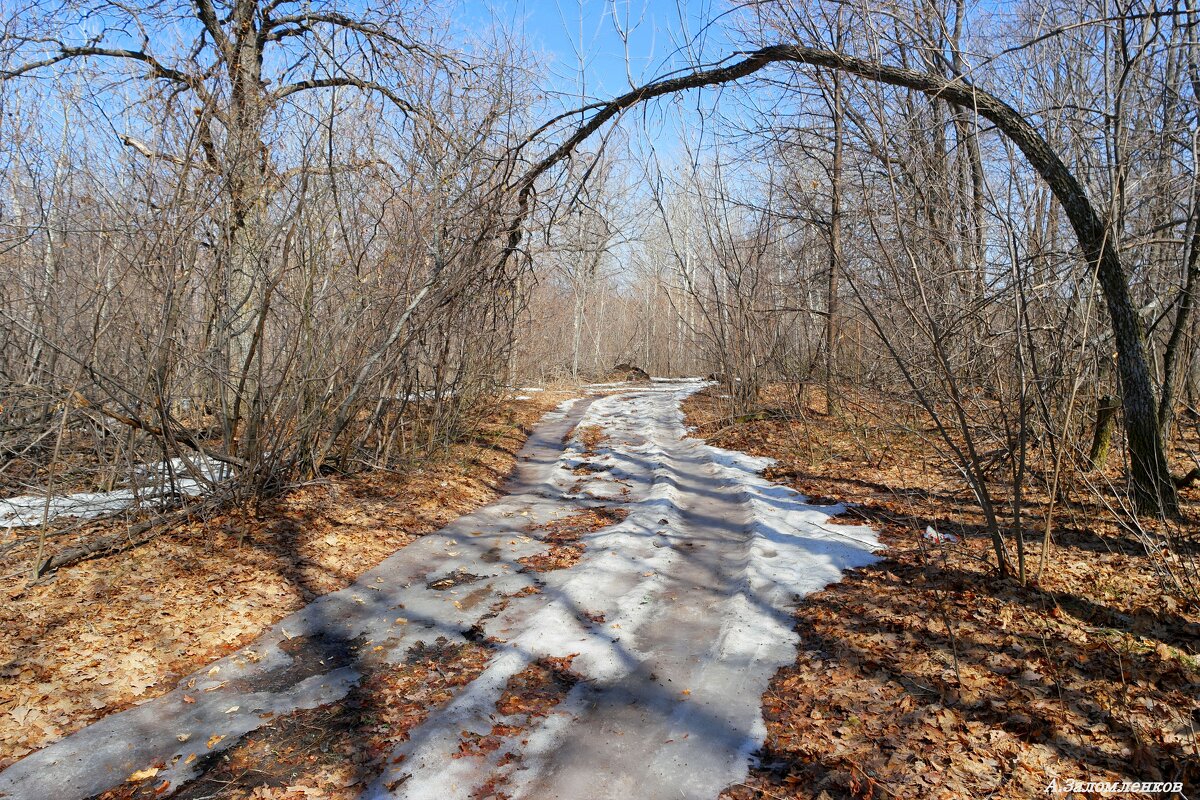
(924, 675)
(142, 775)
(105, 634)
(535, 690)
(528, 696)
(564, 536)
(456, 578)
(333, 751)
(590, 436)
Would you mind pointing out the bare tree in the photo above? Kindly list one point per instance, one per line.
(1153, 485)
(220, 74)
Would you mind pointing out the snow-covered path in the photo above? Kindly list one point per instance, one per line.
(677, 617)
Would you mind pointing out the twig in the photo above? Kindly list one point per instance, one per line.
(62, 427)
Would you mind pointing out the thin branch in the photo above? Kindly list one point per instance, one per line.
(69, 52)
(329, 83)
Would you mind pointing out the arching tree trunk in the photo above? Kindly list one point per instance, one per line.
(1154, 490)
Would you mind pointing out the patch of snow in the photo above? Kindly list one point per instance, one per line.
(677, 617)
(696, 588)
(427, 394)
(152, 485)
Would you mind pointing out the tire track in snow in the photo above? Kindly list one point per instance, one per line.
(694, 587)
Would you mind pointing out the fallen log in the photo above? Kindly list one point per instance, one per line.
(137, 534)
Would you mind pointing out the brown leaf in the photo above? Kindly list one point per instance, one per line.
(143, 774)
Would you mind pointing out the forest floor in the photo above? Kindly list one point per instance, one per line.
(113, 632)
(618, 624)
(604, 630)
(927, 675)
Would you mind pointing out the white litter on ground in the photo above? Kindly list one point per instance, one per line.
(934, 535)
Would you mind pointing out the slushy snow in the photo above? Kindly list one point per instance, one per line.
(695, 589)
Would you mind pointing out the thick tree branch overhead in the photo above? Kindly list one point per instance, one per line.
(1153, 485)
(65, 52)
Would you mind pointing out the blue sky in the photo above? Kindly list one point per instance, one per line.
(658, 31)
(659, 36)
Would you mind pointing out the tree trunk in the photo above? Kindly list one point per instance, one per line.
(1154, 490)
(1174, 355)
(1106, 420)
(239, 317)
(835, 249)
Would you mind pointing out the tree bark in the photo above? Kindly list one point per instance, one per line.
(245, 186)
(1106, 420)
